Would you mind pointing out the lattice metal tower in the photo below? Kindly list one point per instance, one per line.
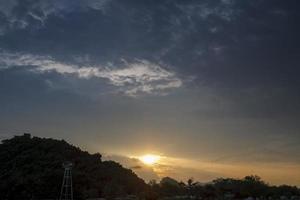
(66, 188)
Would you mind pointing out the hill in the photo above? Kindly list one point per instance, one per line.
(31, 168)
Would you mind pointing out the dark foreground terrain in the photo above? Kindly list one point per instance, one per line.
(31, 168)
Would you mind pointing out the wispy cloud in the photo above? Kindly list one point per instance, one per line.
(224, 10)
(20, 16)
(131, 78)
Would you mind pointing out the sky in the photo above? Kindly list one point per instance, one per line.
(212, 87)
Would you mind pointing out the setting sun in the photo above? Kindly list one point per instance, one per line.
(150, 159)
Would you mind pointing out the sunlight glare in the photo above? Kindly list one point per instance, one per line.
(150, 159)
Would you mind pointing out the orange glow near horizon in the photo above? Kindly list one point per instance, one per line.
(150, 159)
(205, 171)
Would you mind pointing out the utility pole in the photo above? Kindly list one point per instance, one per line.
(67, 188)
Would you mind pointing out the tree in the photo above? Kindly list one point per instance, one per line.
(169, 187)
(253, 186)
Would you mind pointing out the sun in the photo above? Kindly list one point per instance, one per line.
(150, 159)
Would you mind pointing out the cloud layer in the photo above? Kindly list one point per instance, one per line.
(138, 77)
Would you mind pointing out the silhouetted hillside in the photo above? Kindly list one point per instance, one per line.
(31, 168)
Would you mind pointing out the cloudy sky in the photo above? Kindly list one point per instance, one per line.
(210, 86)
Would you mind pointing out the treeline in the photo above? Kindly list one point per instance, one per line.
(31, 168)
(222, 188)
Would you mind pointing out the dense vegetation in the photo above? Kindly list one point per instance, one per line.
(31, 168)
(250, 186)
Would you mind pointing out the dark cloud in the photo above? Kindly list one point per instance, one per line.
(246, 52)
(228, 43)
(136, 167)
